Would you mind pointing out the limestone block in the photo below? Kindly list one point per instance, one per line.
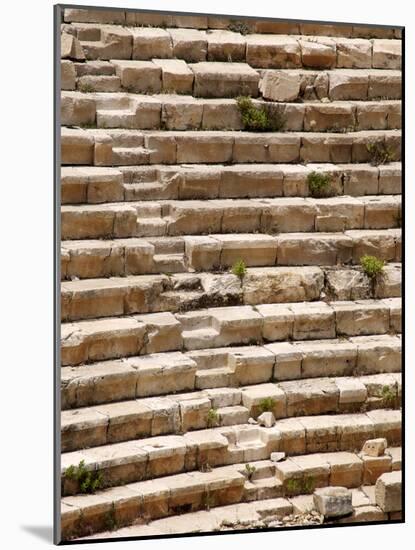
(83, 428)
(216, 79)
(211, 147)
(318, 53)
(112, 42)
(71, 48)
(68, 75)
(345, 469)
(100, 339)
(163, 332)
(251, 365)
(280, 86)
(77, 110)
(328, 117)
(182, 114)
(313, 249)
(355, 53)
(375, 447)
(77, 147)
(236, 325)
(225, 45)
(189, 44)
(194, 217)
(333, 501)
(361, 317)
(162, 148)
(380, 244)
(83, 15)
(254, 398)
(278, 321)
(312, 321)
(287, 361)
(273, 285)
(347, 284)
(151, 42)
(381, 212)
(126, 420)
(387, 54)
(139, 76)
(176, 76)
(374, 467)
(202, 253)
(251, 181)
(346, 84)
(272, 51)
(200, 182)
(252, 249)
(267, 149)
(309, 397)
(390, 179)
(383, 85)
(351, 391)
(194, 413)
(221, 114)
(360, 180)
(288, 215)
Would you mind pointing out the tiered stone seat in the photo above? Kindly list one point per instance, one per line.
(224, 353)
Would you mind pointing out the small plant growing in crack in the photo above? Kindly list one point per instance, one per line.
(390, 396)
(372, 266)
(263, 118)
(319, 184)
(212, 417)
(239, 269)
(379, 153)
(110, 519)
(89, 481)
(85, 87)
(249, 471)
(266, 405)
(208, 501)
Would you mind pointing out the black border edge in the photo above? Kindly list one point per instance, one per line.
(57, 17)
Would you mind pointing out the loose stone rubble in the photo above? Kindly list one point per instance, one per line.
(226, 363)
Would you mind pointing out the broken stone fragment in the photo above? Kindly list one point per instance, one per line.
(71, 47)
(375, 447)
(277, 457)
(333, 501)
(280, 86)
(266, 419)
(252, 420)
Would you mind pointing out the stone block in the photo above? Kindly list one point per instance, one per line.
(216, 79)
(280, 86)
(139, 76)
(151, 42)
(333, 502)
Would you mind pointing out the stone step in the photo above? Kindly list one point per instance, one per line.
(274, 51)
(134, 256)
(132, 378)
(89, 184)
(257, 515)
(119, 147)
(272, 216)
(178, 414)
(111, 338)
(204, 22)
(178, 112)
(94, 298)
(187, 492)
(175, 76)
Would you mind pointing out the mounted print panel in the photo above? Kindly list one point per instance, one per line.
(230, 197)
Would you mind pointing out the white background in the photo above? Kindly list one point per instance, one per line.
(26, 271)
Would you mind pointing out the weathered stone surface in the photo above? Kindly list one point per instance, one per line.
(176, 75)
(375, 447)
(215, 79)
(387, 54)
(389, 492)
(333, 501)
(139, 76)
(280, 86)
(272, 52)
(151, 42)
(71, 48)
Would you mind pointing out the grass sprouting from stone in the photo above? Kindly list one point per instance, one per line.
(262, 118)
(372, 266)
